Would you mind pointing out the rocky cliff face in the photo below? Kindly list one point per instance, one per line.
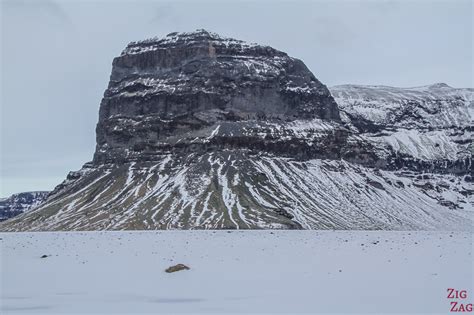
(20, 203)
(170, 95)
(197, 131)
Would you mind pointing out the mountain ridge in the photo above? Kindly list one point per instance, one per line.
(19, 203)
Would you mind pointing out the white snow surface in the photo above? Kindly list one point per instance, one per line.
(286, 272)
(430, 145)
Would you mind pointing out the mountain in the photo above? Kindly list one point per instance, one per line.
(430, 127)
(19, 203)
(199, 131)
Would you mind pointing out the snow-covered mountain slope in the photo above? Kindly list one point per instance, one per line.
(429, 125)
(19, 203)
(427, 107)
(228, 190)
(198, 131)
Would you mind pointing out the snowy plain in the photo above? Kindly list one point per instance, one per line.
(234, 272)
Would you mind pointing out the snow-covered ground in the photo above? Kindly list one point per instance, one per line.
(234, 271)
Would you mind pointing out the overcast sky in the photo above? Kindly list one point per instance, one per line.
(56, 59)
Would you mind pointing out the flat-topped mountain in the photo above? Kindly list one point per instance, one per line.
(198, 131)
(162, 92)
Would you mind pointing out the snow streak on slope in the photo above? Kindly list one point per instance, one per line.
(228, 189)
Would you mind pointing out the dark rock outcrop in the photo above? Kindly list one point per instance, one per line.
(177, 267)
